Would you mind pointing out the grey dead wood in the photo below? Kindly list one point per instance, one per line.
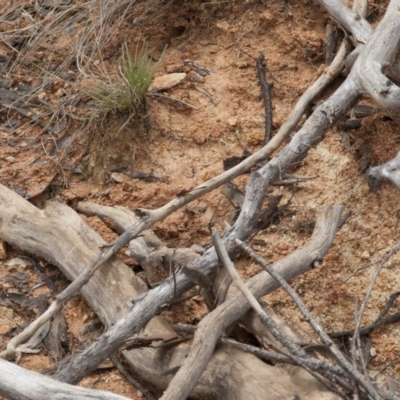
(376, 69)
(66, 241)
(148, 218)
(266, 319)
(378, 55)
(147, 250)
(349, 19)
(362, 379)
(122, 218)
(180, 201)
(348, 90)
(212, 326)
(278, 334)
(154, 301)
(18, 383)
(59, 235)
(251, 321)
(293, 153)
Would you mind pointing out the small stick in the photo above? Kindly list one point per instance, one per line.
(293, 180)
(261, 314)
(388, 305)
(369, 328)
(361, 379)
(212, 97)
(266, 91)
(394, 250)
(173, 99)
(287, 10)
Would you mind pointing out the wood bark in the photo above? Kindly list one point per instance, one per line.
(212, 326)
(67, 242)
(21, 384)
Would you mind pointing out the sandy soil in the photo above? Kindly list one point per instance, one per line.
(187, 146)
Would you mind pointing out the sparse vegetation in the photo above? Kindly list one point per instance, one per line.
(125, 91)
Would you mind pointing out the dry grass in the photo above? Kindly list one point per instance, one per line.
(124, 91)
(59, 46)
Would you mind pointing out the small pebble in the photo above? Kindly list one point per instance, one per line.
(232, 121)
(195, 77)
(284, 246)
(117, 177)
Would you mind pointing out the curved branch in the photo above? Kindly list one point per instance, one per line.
(378, 56)
(351, 20)
(153, 302)
(212, 326)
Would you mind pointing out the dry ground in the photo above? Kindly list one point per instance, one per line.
(187, 146)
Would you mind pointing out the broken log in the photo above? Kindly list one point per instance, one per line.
(59, 235)
(18, 383)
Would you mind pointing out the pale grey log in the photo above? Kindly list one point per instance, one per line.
(388, 172)
(18, 383)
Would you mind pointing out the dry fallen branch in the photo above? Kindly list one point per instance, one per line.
(267, 321)
(154, 301)
(150, 304)
(211, 327)
(20, 384)
(66, 241)
(154, 216)
(361, 379)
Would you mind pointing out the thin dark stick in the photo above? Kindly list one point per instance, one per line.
(138, 385)
(388, 305)
(266, 91)
(369, 328)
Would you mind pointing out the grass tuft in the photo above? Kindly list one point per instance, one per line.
(125, 92)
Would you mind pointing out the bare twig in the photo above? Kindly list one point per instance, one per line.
(266, 91)
(172, 99)
(363, 380)
(210, 328)
(394, 250)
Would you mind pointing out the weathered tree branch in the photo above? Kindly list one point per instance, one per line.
(21, 384)
(378, 56)
(211, 327)
(351, 20)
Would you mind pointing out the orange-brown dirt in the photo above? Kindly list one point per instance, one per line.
(187, 146)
